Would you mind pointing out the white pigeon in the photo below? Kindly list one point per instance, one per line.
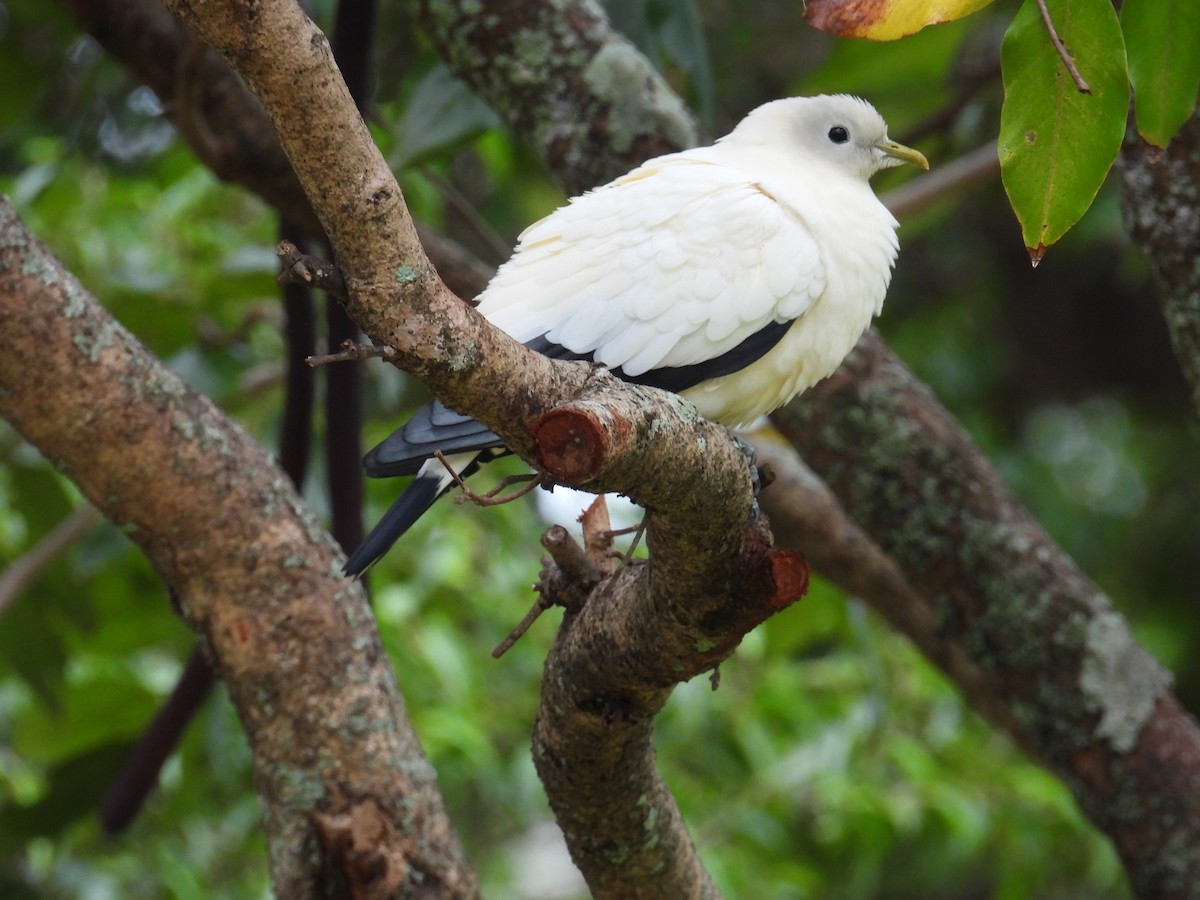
(736, 275)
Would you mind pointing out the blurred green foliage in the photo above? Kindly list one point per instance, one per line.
(833, 761)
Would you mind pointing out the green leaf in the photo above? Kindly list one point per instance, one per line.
(1057, 143)
(109, 708)
(1163, 40)
(441, 115)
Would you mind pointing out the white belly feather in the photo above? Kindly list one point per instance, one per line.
(819, 339)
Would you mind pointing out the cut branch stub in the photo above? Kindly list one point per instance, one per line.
(575, 443)
(298, 267)
(789, 571)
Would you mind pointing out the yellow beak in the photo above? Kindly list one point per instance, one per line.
(904, 154)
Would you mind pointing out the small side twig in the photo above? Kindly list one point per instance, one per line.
(638, 531)
(42, 555)
(567, 579)
(540, 605)
(1080, 84)
(489, 498)
(300, 268)
(949, 180)
(352, 350)
(461, 205)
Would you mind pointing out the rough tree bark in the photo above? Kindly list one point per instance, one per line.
(576, 422)
(253, 573)
(1139, 740)
(1162, 194)
(1104, 772)
(583, 96)
(1005, 601)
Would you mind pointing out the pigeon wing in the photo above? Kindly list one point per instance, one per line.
(682, 264)
(433, 427)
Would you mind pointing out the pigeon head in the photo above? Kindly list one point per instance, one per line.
(838, 130)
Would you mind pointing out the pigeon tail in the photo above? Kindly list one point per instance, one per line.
(412, 503)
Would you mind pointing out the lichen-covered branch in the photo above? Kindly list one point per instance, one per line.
(806, 516)
(616, 660)
(1114, 717)
(254, 574)
(985, 593)
(713, 577)
(563, 78)
(1044, 640)
(1162, 196)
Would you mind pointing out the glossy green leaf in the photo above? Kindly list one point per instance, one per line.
(1163, 40)
(1056, 142)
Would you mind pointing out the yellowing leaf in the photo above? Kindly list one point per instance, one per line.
(1057, 144)
(884, 20)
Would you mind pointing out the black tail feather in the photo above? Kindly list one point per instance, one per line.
(418, 496)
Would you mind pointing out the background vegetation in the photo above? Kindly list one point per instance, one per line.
(833, 761)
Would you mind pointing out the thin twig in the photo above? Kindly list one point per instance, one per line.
(528, 479)
(470, 215)
(637, 531)
(489, 498)
(352, 350)
(539, 606)
(949, 180)
(29, 566)
(1062, 50)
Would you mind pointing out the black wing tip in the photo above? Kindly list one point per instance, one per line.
(680, 378)
(432, 427)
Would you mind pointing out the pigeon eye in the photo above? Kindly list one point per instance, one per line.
(838, 134)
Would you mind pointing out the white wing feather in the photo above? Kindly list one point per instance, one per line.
(674, 264)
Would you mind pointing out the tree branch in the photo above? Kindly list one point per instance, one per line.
(1045, 641)
(589, 102)
(1161, 191)
(1166, 732)
(221, 121)
(254, 574)
(947, 181)
(714, 576)
(805, 515)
